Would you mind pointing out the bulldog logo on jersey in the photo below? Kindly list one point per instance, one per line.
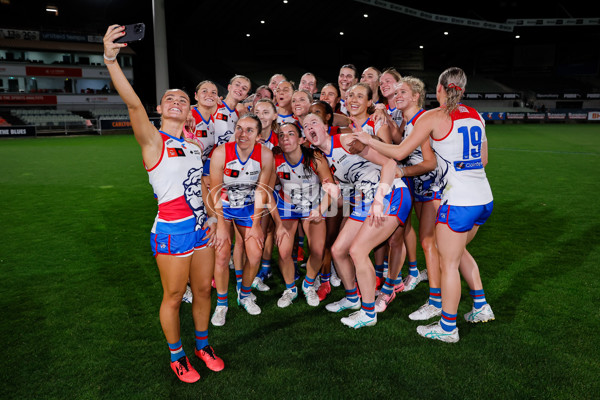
(224, 138)
(193, 195)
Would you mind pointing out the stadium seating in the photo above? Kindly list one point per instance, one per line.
(48, 117)
(111, 113)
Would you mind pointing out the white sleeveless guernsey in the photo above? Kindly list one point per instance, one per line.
(203, 134)
(459, 152)
(225, 120)
(352, 169)
(176, 181)
(299, 186)
(240, 178)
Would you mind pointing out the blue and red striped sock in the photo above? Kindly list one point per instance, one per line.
(245, 291)
(325, 277)
(291, 286)
(412, 268)
(478, 297)
(238, 278)
(265, 269)
(435, 297)
(379, 270)
(201, 339)
(448, 321)
(388, 286)
(222, 299)
(176, 350)
(308, 283)
(369, 309)
(352, 294)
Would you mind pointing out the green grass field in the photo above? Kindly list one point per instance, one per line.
(81, 291)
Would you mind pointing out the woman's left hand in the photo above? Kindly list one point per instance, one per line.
(280, 235)
(256, 233)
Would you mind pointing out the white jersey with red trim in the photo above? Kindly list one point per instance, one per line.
(352, 169)
(240, 178)
(416, 156)
(367, 126)
(271, 141)
(203, 134)
(459, 152)
(343, 108)
(225, 119)
(432, 180)
(290, 118)
(176, 181)
(299, 186)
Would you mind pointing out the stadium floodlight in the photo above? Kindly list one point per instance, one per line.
(52, 9)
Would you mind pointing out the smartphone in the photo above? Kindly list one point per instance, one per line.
(133, 32)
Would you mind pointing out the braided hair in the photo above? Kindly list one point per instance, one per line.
(454, 82)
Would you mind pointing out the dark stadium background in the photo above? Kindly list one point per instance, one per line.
(208, 39)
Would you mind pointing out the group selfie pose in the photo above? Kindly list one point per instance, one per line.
(322, 184)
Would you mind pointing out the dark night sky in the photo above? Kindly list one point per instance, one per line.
(207, 39)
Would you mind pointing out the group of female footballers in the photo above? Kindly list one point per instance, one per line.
(234, 177)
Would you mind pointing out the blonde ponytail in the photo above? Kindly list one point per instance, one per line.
(454, 82)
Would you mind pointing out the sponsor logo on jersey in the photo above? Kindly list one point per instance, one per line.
(232, 172)
(467, 165)
(283, 175)
(221, 117)
(201, 133)
(175, 152)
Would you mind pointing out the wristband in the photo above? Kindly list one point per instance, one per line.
(109, 59)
